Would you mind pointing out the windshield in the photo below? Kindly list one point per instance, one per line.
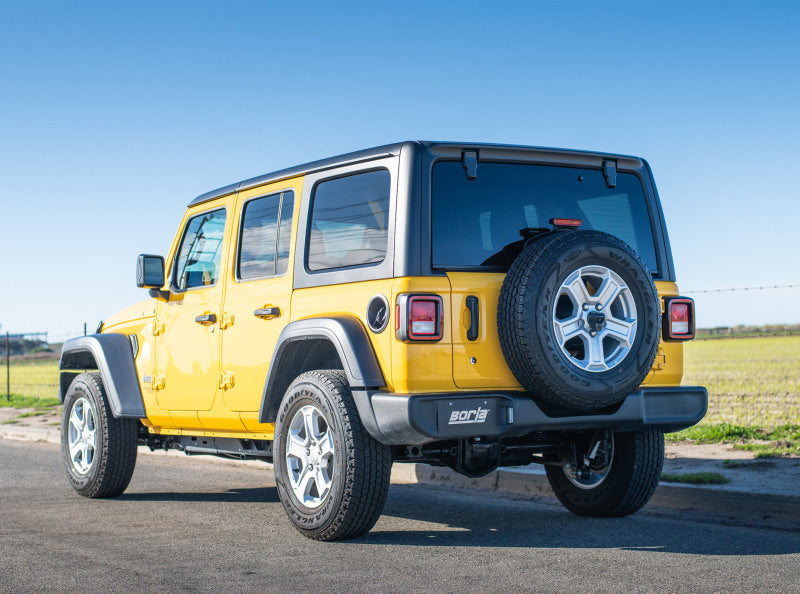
(481, 223)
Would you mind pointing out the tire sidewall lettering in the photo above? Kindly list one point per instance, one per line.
(550, 374)
(313, 519)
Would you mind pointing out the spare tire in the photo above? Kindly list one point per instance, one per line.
(579, 319)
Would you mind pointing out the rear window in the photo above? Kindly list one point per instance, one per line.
(349, 217)
(481, 223)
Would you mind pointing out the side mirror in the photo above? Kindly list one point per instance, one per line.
(149, 271)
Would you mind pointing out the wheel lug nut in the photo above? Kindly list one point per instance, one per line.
(585, 306)
(598, 307)
(593, 333)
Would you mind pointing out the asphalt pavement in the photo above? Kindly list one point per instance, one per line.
(203, 524)
(764, 493)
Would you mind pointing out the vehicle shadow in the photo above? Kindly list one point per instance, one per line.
(241, 495)
(457, 519)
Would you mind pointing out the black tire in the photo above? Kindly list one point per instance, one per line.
(104, 469)
(360, 465)
(528, 308)
(631, 480)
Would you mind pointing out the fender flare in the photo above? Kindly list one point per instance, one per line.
(347, 335)
(112, 356)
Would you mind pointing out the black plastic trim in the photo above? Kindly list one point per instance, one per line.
(347, 335)
(112, 356)
(473, 305)
(661, 235)
(412, 419)
(140, 276)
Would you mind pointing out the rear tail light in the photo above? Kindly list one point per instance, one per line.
(678, 318)
(419, 317)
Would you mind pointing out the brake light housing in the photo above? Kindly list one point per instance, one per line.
(420, 317)
(678, 319)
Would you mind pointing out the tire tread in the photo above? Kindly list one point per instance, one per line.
(117, 459)
(367, 467)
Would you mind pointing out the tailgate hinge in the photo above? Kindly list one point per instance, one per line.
(469, 160)
(610, 173)
(660, 361)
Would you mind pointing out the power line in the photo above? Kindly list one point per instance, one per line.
(761, 288)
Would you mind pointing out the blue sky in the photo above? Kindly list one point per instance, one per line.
(114, 115)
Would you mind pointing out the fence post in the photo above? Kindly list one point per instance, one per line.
(8, 369)
(84, 328)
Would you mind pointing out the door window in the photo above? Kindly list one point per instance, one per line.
(200, 253)
(265, 236)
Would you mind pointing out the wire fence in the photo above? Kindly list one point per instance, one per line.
(737, 289)
(29, 366)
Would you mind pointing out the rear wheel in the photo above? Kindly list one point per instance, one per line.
(332, 476)
(99, 451)
(607, 474)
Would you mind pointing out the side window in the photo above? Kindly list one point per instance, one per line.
(200, 253)
(349, 217)
(265, 236)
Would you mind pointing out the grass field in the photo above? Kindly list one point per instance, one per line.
(752, 382)
(32, 379)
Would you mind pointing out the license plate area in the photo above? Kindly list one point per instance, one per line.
(468, 416)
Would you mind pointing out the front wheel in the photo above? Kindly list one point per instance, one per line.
(99, 451)
(608, 474)
(332, 476)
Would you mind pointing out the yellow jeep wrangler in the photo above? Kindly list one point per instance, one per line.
(465, 305)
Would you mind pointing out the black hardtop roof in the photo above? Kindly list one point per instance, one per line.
(377, 152)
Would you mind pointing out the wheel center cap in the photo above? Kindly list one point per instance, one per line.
(596, 321)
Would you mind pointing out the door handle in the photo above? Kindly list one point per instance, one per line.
(206, 319)
(267, 313)
(474, 315)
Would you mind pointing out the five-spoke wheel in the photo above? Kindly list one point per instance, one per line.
(82, 436)
(594, 318)
(310, 456)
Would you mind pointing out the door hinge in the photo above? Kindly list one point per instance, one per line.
(226, 380)
(158, 382)
(227, 321)
(158, 327)
(660, 361)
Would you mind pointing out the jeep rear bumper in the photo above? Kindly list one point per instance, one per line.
(414, 419)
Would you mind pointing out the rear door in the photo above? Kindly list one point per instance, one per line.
(258, 299)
